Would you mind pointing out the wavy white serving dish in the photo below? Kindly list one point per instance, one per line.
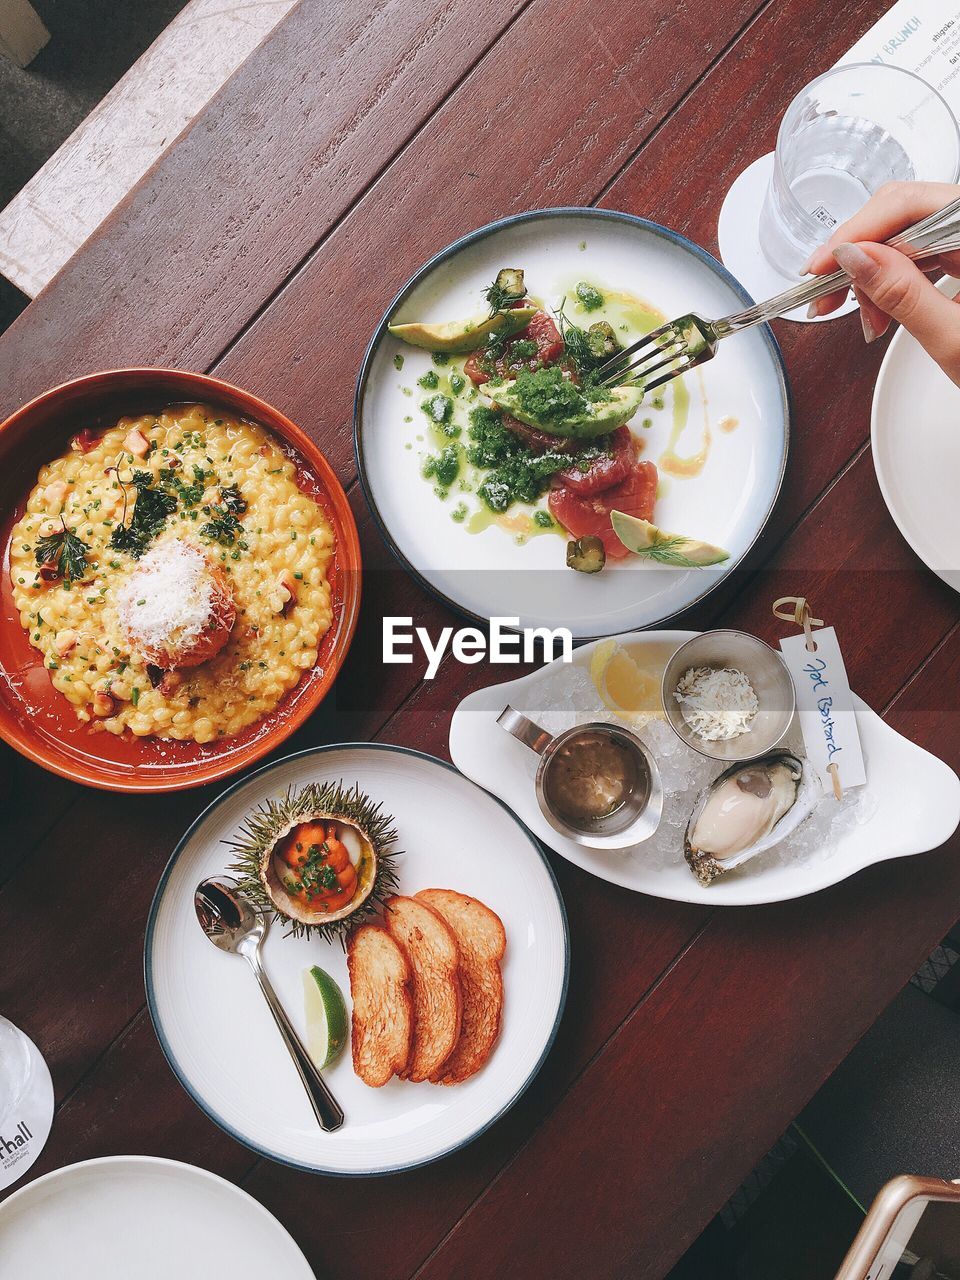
(914, 799)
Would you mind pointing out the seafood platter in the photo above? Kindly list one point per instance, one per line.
(657, 767)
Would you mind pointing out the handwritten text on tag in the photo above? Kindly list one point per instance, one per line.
(825, 706)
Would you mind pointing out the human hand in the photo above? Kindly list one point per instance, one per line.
(887, 284)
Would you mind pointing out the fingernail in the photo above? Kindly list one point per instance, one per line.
(869, 332)
(805, 269)
(814, 309)
(858, 265)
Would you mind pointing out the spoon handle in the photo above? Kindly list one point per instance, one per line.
(325, 1106)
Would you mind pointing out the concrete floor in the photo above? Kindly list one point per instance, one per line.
(92, 44)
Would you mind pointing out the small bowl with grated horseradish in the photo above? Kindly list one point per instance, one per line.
(728, 695)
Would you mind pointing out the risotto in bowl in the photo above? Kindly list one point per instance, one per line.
(180, 579)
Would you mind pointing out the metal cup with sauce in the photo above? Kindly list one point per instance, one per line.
(597, 784)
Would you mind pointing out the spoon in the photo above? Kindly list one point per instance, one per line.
(231, 923)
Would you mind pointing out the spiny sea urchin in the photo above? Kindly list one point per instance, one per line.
(320, 858)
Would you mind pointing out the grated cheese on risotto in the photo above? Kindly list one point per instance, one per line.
(169, 594)
(717, 704)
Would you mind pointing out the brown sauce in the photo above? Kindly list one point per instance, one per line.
(590, 777)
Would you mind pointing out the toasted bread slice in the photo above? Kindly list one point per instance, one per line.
(382, 989)
(482, 941)
(434, 959)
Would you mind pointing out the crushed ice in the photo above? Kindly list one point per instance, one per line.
(566, 696)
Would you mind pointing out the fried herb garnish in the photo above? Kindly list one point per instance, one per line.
(150, 511)
(233, 499)
(223, 527)
(65, 551)
(506, 290)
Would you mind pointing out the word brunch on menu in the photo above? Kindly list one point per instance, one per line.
(503, 643)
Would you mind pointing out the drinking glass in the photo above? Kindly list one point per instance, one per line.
(15, 1069)
(844, 135)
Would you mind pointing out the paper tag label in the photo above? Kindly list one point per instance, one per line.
(825, 707)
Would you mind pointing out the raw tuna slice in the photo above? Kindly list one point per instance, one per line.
(582, 514)
(610, 468)
(539, 441)
(541, 330)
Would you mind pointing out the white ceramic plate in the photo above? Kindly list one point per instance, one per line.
(915, 432)
(217, 1032)
(487, 574)
(915, 798)
(125, 1216)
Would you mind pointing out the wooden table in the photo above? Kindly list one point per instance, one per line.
(355, 142)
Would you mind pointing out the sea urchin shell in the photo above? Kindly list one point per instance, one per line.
(262, 863)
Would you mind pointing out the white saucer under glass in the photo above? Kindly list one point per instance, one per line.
(843, 136)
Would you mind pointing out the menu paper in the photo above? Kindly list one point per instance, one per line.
(922, 36)
(825, 707)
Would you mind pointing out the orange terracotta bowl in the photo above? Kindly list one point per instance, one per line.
(37, 720)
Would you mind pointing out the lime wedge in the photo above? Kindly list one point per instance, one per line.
(327, 1019)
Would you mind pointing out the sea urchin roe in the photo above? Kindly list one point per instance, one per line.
(717, 704)
(315, 868)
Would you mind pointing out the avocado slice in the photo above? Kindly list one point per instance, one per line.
(463, 335)
(599, 417)
(645, 539)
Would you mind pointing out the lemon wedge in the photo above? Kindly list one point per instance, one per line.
(630, 691)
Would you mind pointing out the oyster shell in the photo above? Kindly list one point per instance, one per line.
(276, 875)
(747, 809)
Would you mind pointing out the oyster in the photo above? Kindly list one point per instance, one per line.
(318, 857)
(749, 808)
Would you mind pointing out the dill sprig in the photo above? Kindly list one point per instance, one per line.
(575, 342)
(64, 551)
(507, 290)
(666, 550)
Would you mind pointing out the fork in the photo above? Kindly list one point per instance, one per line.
(688, 341)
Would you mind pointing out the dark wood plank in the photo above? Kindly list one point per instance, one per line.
(641, 62)
(692, 1090)
(291, 141)
(77, 909)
